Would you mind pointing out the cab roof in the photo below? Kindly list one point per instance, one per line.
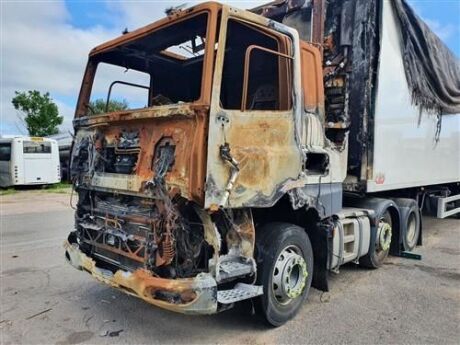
(173, 16)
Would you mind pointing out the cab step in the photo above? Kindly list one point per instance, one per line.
(240, 292)
(234, 268)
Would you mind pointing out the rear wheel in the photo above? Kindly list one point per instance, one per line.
(285, 266)
(413, 225)
(380, 243)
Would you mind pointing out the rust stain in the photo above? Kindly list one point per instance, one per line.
(312, 78)
(261, 131)
(186, 132)
(193, 295)
(242, 235)
(263, 144)
(136, 34)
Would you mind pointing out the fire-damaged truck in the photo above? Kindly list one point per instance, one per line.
(261, 150)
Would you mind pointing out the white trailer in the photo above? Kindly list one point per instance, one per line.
(406, 151)
(29, 161)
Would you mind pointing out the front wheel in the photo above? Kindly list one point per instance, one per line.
(285, 266)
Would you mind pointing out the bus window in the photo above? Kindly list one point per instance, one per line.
(5, 152)
(37, 147)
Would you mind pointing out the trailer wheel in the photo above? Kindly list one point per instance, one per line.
(412, 226)
(285, 270)
(380, 243)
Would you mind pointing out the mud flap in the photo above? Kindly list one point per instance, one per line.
(319, 239)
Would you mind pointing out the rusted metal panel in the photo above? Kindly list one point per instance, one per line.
(187, 110)
(209, 7)
(158, 217)
(278, 8)
(185, 125)
(141, 32)
(265, 144)
(208, 64)
(189, 295)
(319, 12)
(312, 79)
(242, 237)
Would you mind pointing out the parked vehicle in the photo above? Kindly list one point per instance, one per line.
(275, 145)
(28, 161)
(64, 141)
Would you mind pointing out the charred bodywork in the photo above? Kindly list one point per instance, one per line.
(139, 175)
(251, 120)
(168, 193)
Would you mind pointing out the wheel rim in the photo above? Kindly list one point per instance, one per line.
(411, 230)
(384, 233)
(289, 275)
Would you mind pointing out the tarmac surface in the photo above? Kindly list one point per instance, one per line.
(46, 301)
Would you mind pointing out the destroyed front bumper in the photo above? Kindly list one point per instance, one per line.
(196, 295)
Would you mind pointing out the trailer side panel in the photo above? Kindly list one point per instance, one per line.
(410, 147)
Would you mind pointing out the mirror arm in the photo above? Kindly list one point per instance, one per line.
(247, 63)
(123, 83)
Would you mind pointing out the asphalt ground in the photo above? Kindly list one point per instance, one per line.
(46, 301)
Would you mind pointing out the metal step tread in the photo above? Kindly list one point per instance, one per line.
(347, 256)
(240, 292)
(231, 269)
(348, 238)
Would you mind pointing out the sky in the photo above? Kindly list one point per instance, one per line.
(45, 44)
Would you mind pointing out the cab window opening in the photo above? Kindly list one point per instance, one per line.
(268, 78)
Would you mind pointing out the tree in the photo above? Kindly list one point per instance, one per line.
(98, 106)
(40, 113)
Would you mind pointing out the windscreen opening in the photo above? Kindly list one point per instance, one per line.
(164, 67)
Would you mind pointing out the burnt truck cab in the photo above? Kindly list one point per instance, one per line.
(170, 194)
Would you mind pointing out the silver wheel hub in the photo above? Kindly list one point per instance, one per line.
(289, 275)
(384, 235)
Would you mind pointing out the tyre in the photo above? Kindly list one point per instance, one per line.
(412, 228)
(380, 243)
(285, 270)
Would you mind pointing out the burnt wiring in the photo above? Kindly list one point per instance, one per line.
(327, 225)
(73, 207)
(318, 197)
(179, 241)
(226, 156)
(228, 215)
(91, 203)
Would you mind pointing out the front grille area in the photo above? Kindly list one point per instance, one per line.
(133, 232)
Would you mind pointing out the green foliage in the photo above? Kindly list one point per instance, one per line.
(61, 188)
(98, 106)
(41, 114)
(7, 191)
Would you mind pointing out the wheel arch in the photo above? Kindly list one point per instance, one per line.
(395, 248)
(380, 206)
(405, 205)
(308, 219)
